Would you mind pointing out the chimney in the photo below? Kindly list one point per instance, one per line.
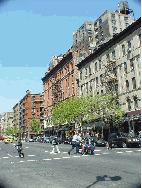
(28, 92)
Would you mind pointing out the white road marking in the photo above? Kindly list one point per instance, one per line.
(46, 151)
(64, 152)
(119, 152)
(22, 161)
(27, 147)
(56, 158)
(5, 157)
(66, 157)
(31, 155)
(47, 159)
(139, 150)
(129, 151)
(30, 160)
(75, 156)
(97, 154)
(97, 150)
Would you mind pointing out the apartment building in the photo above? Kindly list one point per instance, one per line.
(16, 116)
(30, 106)
(92, 34)
(59, 83)
(7, 121)
(1, 120)
(122, 53)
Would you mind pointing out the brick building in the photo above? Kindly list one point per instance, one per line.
(16, 109)
(31, 106)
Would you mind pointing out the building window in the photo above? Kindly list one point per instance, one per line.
(125, 67)
(126, 18)
(96, 66)
(114, 28)
(100, 21)
(97, 93)
(96, 80)
(127, 85)
(129, 104)
(72, 78)
(132, 64)
(101, 79)
(135, 102)
(89, 70)
(134, 82)
(102, 92)
(129, 44)
(66, 82)
(112, 15)
(113, 22)
(123, 49)
(113, 55)
(87, 87)
(108, 57)
(86, 71)
(100, 64)
(91, 85)
(116, 89)
(81, 75)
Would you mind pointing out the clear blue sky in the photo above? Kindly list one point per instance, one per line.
(34, 30)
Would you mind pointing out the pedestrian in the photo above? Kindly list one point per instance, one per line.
(55, 145)
(19, 147)
(75, 143)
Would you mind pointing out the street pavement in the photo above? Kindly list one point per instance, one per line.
(119, 167)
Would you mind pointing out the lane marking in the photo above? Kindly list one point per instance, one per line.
(119, 152)
(31, 155)
(5, 157)
(46, 151)
(30, 160)
(75, 156)
(57, 158)
(66, 157)
(129, 151)
(47, 159)
(97, 154)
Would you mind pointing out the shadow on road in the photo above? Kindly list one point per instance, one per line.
(105, 178)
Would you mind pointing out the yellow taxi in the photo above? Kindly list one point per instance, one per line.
(8, 140)
(14, 138)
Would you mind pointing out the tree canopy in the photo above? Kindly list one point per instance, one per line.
(35, 126)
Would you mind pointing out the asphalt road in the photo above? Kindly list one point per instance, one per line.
(119, 167)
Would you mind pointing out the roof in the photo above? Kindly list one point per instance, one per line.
(117, 38)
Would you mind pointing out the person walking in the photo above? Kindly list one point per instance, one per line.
(55, 145)
(75, 143)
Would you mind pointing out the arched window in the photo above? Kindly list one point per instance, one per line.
(135, 102)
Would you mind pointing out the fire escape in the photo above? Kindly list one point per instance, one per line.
(56, 91)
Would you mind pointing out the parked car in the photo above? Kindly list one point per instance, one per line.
(2, 138)
(8, 140)
(101, 143)
(35, 139)
(133, 141)
(46, 140)
(29, 140)
(116, 140)
(39, 139)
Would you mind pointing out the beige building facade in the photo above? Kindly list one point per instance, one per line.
(123, 51)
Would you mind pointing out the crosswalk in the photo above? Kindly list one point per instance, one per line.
(101, 152)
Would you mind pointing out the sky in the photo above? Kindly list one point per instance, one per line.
(34, 30)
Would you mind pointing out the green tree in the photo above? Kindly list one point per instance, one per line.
(12, 131)
(35, 126)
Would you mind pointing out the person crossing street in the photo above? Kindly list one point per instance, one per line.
(75, 143)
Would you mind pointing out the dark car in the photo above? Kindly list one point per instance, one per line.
(35, 139)
(117, 140)
(101, 143)
(133, 141)
(60, 140)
